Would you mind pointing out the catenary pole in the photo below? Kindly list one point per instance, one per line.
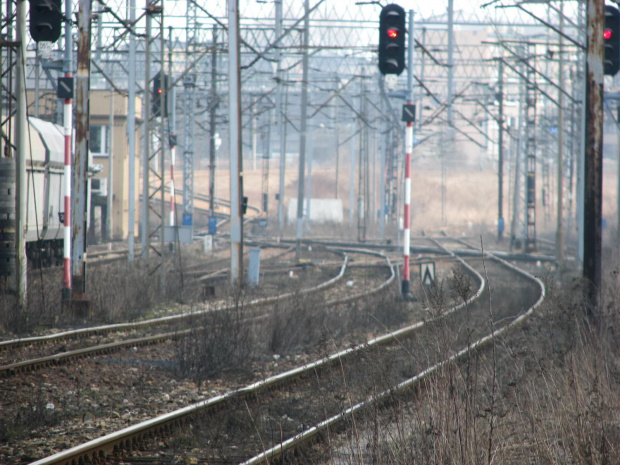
(146, 144)
(302, 132)
(80, 159)
(213, 104)
(236, 181)
(279, 118)
(131, 137)
(110, 198)
(500, 152)
(592, 211)
(172, 139)
(559, 235)
(352, 174)
(21, 262)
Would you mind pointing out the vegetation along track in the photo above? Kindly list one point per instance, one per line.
(97, 414)
(264, 416)
(27, 354)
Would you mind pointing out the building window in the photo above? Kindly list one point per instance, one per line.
(98, 143)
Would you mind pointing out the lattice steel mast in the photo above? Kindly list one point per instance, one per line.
(153, 174)
(189, 85)
(530, 150)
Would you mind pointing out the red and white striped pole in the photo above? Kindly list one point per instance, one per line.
(173, 150)
(407, 234)
(68, 126)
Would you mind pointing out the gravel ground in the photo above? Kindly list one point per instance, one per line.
(47, 411)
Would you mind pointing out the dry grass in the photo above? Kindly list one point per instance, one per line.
(547, 393)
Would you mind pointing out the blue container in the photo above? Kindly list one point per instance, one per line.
(212, 225)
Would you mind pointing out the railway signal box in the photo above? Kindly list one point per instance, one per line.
(45, 20)
(159, 88)
(392, 39)
(611, 36)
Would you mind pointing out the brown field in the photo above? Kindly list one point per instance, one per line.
(470, 196)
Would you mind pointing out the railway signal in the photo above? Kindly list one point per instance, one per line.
(611, 36)
(45, 20)
(157, 91)
(392, 39)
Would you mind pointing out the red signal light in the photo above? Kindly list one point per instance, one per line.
(607, 33)
(159, 91)
(392, 33)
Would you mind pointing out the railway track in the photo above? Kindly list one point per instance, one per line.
(463, 334)
(178, 322)
(132, 343)
(323, 366)
(334, 376)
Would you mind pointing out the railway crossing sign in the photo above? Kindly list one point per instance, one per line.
(427, 273)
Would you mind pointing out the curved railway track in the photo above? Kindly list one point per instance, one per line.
(180, 331)
(329, 371)
(382, 283)
(105, 445)
(475, 340)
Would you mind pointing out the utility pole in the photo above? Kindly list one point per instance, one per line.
(352, 174)
(516, 226)
(383, 148)
(336, 119)
(146, 146)
(310, 158)
(618, 187)
(530, 144)
(163, 99)
(302, 132)
(21, 180)
(213, 104)
(154, 143)
(559, 235)
(266, 150)
(450, 110)
(593, 200)
(131, 136)
(189, 89)
(500, 152)
(362, 172)
(80, 162)
(188, 158)
(236, 158)
(279, 116)
(110, 197)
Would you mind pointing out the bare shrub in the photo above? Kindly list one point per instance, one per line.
(294, 323)
(220, 342)
(376, 312)
(43, 305)
(121, 291)
(547, 393)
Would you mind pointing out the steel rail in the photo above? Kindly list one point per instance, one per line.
(103, 329)
(100, 448)
(51, 360)
(379, 288)
(312, 433)
(34, 364)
